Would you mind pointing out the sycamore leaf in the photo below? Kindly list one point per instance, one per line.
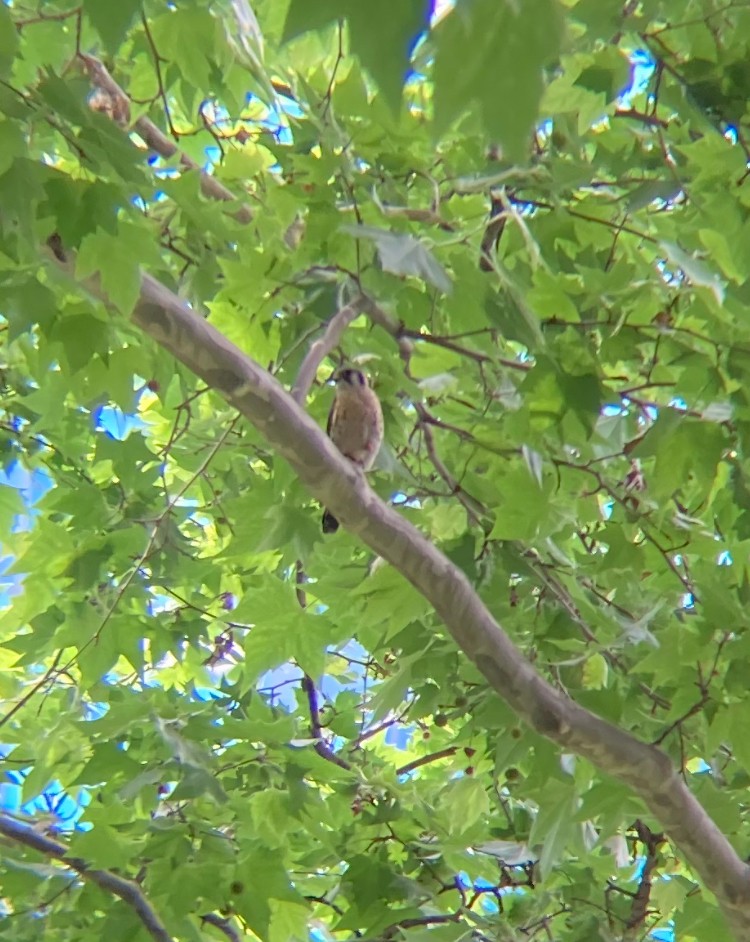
(8, 39)
(111, 20)
(381, 34)
(645, 194)
(403, 254)
(492, 53)
(595, 672)
(697, 271)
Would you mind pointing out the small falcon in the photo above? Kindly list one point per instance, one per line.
(355, 426)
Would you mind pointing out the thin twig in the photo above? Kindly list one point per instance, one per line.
(34, 690)
(406, 336)
(649, 119)
(223, 924)
(308, 685)
(472, 507)
(159, 79)
(426, 760)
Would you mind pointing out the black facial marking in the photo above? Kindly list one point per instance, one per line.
(352, 377)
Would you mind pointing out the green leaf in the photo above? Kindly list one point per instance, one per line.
(651, 191)
(270, 814)
(554, 827)
(111, 20)
(404, 255)
(289, 921)
(302, 17)
(465, 801)
(117, 259)
(186, 34)
(102, 847)
(697, 271)
(8, 40)
(11, 138)
(608, 73)
(382, 37)
(492, 53)
(82, 337)
(595, 672)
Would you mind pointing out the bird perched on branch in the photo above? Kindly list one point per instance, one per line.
(355, 425)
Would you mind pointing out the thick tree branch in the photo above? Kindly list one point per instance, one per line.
(342, 487)
(128, 891)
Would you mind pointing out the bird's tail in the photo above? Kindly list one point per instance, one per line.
(330, 523)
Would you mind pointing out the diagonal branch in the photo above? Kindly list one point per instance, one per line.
(321, 746)
(335, 482)
(426, 760)
(159, 142)
(223, 924)
(128, 891)
(470, 505)
(320, 349)
(639, 908)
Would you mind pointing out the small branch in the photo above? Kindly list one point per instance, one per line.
(159, 79)
(320, 348)
(334, 70)
(472, 507)
(649, 119)
(426, 760)
(414, 214)
(405, 336)
(223, 925)
(326, 902)
(308, 685)
(455, 347)
(642, 896)
(413, 923)
(160, 143)
(540, 204)
(704, 686)
(48, 18)
(321, 746)
(376, 730)
(128, 891)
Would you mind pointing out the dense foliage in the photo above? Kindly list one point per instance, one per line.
(545, 236)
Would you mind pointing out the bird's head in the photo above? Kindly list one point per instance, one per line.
(349, 377)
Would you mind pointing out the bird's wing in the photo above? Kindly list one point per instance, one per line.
(331, 418)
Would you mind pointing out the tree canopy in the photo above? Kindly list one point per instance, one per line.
(509, 698)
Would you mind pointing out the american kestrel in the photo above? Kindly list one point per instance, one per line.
(355, 425)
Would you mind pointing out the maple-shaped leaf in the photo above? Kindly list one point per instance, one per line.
(403, 254)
